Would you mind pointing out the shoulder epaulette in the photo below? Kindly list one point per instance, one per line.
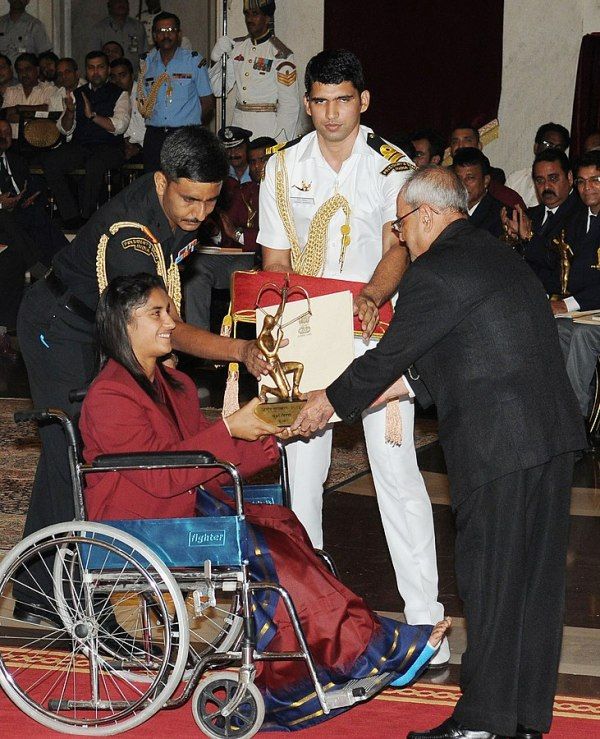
(282, 50)
(283, 145)
(239, 39)
(391, 153)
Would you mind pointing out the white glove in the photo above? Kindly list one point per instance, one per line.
(222, 46)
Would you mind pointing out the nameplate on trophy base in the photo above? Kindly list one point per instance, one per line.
(280, 413)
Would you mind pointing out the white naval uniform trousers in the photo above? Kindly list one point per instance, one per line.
(403, 501)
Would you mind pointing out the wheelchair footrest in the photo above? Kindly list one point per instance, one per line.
(356, 691)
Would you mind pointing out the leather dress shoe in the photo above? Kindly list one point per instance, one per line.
(523, 733)
(450, 729)
(35, 613)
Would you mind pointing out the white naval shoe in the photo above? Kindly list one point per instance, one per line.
(441, 658)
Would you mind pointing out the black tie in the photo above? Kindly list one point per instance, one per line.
(547, 225)
(594, 227)
(6, 183)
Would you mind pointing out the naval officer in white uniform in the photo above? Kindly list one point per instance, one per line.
(360, 174)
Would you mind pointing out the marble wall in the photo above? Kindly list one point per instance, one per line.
(541, 49)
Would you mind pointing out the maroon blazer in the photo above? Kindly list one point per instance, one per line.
(118, 416)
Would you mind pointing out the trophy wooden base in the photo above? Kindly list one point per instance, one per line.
(278, 412)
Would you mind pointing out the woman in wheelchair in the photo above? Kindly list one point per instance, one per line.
(137, 403)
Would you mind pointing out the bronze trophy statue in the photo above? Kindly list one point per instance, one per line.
(565, 254)
(283, 410)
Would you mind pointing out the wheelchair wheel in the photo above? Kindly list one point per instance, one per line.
(86, 669)
(213, 694)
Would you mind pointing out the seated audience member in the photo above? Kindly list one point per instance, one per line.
(473, 170)
(118, 26)
(537, 229)
(21, 32)
(429, 147)
(235, 140)
(136, 403)
(113, 51)
(465, 135)
(580, 342)
(96, 116)
(23, 203)
(67, 81)
(6, 76)
(548, 136)
(239, 211)
(29, 95)
(258, 156)
(121, 74)
(592, 142)
(582, 234)
(48, 61)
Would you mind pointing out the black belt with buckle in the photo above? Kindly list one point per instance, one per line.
(165, 129)
(71, 303)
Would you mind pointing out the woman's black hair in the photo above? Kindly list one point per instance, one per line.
(115, 310)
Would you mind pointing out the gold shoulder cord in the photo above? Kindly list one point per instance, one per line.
(146, 104)
(311, 259)
(169, 276)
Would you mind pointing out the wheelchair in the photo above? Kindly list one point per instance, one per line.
(145, 615)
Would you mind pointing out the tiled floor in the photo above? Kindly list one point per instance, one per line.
(355, 539)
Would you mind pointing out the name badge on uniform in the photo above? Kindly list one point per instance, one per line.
(185, 252)
(181, 76)
(262, 65)
(302, 200)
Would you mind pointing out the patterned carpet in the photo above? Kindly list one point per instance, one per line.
(19, 450)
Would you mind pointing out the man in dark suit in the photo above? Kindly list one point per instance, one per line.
(473, 326)
(473, 169)
(581, 342)
(540, 225)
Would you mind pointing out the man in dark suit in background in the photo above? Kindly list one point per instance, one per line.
(473, 325)
(473, 170)
(536, 229)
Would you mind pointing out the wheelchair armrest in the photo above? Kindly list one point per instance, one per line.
(43, 415)
(155, 459)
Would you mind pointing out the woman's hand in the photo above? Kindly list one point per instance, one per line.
(244, 424)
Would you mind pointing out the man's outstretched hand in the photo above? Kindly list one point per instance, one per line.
(315, 414)
(368, 315)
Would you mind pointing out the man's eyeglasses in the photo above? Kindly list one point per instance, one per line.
(582, 181)
(397, 224)
(170, 29)
(550, 145)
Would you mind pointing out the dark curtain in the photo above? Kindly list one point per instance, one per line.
(431, 64)
(586, 105)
